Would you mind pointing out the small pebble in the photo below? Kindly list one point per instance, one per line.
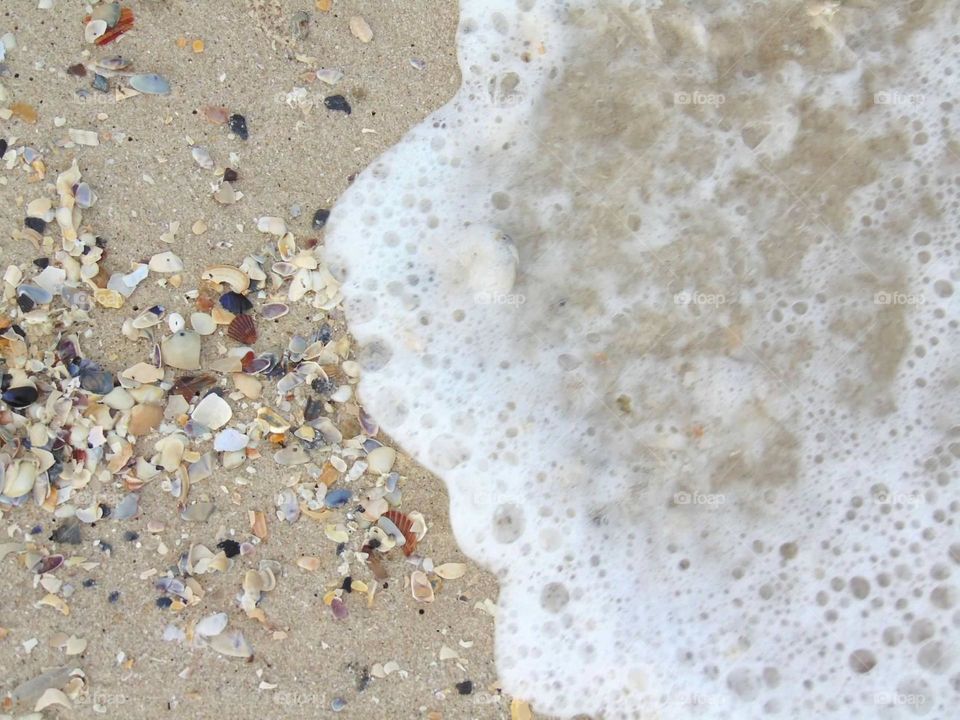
(100, 83)
(164, 602)
(114, 596)
(465, 687)
(230, 175)
(338, 103)
(238, 126)
(320, 218)
(231, 548)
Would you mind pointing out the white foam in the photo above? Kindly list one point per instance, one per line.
(698, 412)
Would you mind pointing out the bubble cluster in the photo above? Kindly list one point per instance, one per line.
(665, 295)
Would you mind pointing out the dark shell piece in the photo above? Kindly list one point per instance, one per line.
(67, 350)
(231, 175)
(338, 103)
(100, 83)
(36, 224)
(238, 125)
(235, 302)
(47, 564)
(320, 218)
(94, 379)
(192, 385)
(77, 70)
(68, 532)
(262, 364)
(20, 397)
(312, 409)
(3, 147)
(243, 330)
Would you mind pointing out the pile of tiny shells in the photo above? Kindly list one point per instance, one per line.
(84, 442)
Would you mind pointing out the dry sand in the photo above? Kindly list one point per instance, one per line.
(295, 156)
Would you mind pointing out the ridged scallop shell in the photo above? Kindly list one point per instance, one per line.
(243, 330)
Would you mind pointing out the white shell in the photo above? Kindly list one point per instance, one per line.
(212, 412)
(166, 262)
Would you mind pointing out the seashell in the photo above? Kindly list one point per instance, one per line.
(252, 267)
(272, 225)
(35, 294)
(202, 468)
(405, 525)
(108, 298)
(108, 12)
(450, 571)
(339, 609)
(330, 76)
(284, 269)
(149, 318)
(166, 262)
(189, 386)
(144, 419)
(248, 385)
(202, 157)
(114, 63)
(288, 508)
(94, 30)
(202, 323)
(198, 512)
(381, 460)
(181, 350)
(94, 379)
(212, 625)
(20, 397)
(232, 644)
(274, 311)
(175, 322)
(287, 246)
(226, 194)
(143, 373)
(420, 586)
(235, 303)
(274, 421)
(369, 425)
(243, 330)
(361, 29)
(212, 412)
(293, 455)
(230, 440)
(215, 114)
(337, 498)
(20, 478)
(127, 508)
(150, 84)
(85, 196)
(308, 563)
(238, 281)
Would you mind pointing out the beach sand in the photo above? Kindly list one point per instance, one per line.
(298, 154)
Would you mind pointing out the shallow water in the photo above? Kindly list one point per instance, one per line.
(665, 295)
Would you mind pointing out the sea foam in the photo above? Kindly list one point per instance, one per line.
(665, 296)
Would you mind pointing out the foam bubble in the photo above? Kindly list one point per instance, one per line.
(665, 295)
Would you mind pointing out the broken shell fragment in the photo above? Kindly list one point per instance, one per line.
(150, 84)
(272, 225)
(212, 412)
(420, 587)
(230, 440)
(202, 323)
(181, 350)
(235, 278)
(166, 262)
